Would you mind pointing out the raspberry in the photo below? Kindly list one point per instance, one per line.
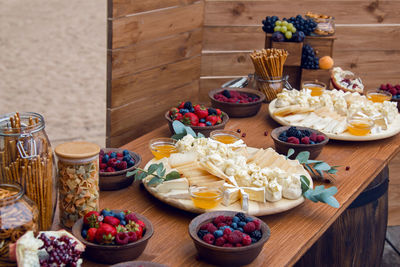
(313, 136)
(249, 227)
(103, 166)
(305, 140)
(220, 241)
(227, 231)
(211, 228)
(257, 223)
(112, 162)
(293, 140)
(219, 219)
(227, 245)
(205, 226)
(122, 165)
(225, 236)
(246, 240)
(235, 237)
(238, 245)
(209, 239)
(221, 225)
(120, 155)
(228, 220)
(110, 169)
(393, 91)
(320, 138)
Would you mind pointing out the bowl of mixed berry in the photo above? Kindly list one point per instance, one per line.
(394, 90)
(228, 238)
(300, 139)
(114, 163)
(113, 236)
(200, 118)
(237, 102)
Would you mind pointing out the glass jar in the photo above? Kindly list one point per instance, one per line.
(26, 157)
(18, 214)
(78, 176)
(325, 24)
(272, 87)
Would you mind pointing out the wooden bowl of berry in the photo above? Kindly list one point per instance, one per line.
(113, 236)
(238, 102)
(394, 90)
(114, 164)
(200, 118)
(228, 238)
(300, 139)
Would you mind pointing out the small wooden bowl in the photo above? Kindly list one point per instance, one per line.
(283, 147)
(397, 100)
(117, 180)
(238, 110)
(226, 256)
(112, 254)
(197, 129)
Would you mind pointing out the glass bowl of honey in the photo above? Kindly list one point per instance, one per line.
(379, 96)
(359, 126)
(317, 88)
(225, 136)
(205, 197)
(162, 147)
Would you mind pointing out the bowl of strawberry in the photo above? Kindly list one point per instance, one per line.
(300, 139)
(200, 118)
(394, 90)
(114, 163)
(238, 102)
(228, 238)
(113, 236)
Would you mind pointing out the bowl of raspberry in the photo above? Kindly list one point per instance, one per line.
(394, 90)
(300, 139)
(228, 238)
(237, 102)
(113, 236)
(114, 163)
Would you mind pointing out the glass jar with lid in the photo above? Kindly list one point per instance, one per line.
(78, 176)
(18, 214)
(26, 157)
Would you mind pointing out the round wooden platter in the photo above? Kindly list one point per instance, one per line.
(393, 129)
(182, 199)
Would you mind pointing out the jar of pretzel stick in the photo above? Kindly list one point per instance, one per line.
(26, 157)
(18, 214)
(78, 175)
(270, 87)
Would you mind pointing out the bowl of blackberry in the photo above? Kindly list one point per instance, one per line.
(228, 238)
(114, 163)
(300, 139)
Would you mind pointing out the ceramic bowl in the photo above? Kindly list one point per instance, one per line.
(283, 147)
(225, 256)
(117, 180)
(206, 130)
(238, 110)
(111, 254)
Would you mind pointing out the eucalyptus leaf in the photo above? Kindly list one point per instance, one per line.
(152, 168)
(190, 131)
(172, 175)
(322, 166)
(332, 201)
(140, 176)
(179, 127)
(303, 156)
(129, 174)
(332, 171)
(320, 173)
(154, 180)
(310, 169)
(313, 161)
(161, 172)
(200, 135)
(305, 184)
(290, 152)
(310, 195)
(178, 136)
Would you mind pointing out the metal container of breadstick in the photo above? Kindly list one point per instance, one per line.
(26, 157)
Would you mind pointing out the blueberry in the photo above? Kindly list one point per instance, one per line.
(191, 110)
(130, 163)
(241, 224)
(249, 219)
(106, 158)
(208, 123)
(234, 225)
(123, 222)
(226, 93)
(118, 161)
(218, 233)
(235, 219)
(312, 142)
(125, 152)
(126, 158)
(84, 233)
(202, 120)
(240, 229)
(120, 215)
(113, 155)
(222, 228)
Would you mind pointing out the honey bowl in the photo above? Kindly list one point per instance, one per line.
(359, 126)
(225, 136)
(379, 96)
(317, 88)
(205, 197)
(162, 147)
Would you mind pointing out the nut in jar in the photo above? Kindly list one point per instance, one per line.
(78, 172)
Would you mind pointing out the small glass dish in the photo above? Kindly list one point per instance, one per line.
(162, 147)
(359, 126)
(205, 197)
(225, 136)
(379, 96)
(317, 88)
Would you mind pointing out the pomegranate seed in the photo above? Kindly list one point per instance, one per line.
(238, 130)
(266, 133)
(347, 168)
(243, 134)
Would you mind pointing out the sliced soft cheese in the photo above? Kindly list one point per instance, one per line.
(255, 193)
(231, 195)
(340, 128)
(244, 200)
(295, 118)
(214, 184)
(176, 184)
(179, 159)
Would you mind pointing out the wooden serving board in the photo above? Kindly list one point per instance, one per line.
(256, 208)
(393, 129)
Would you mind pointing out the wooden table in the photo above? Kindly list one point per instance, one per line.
(292, 232)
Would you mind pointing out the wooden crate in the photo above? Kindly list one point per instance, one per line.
(294, 73)
(294, 50)
(323, 46)
(316, 75)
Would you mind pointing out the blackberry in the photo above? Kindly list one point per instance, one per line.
(188, 105)
(241, 216)
(292, 131)
(306, 132)
(299, 134)
(212, 111)
(253, 240)
(226, 93)
(256, 234)
(202, 233)
(283, 139)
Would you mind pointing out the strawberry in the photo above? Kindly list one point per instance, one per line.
(177, 116)
(134, 227)
(212, 119)
(122, 238)
(91, 234)
(190, 119)
(200, 111)
(105, 234)
(219, 120)
(181, 105)
(219, 113)
(201, 124)
(111, 220)
(92, 219)
(141, 224)
(173, 111)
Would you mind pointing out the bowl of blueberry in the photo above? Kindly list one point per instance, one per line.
(114, 163)
(228, 238)
(300, 139)
(237, 102)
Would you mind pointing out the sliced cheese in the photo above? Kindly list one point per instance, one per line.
(215, 184)
(295, 118)
(259, 152)
(231, 195)
(180, 159)
(255, 193)
(244, 197)
(176, 184)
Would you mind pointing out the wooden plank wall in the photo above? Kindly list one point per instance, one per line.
(153, 61)
(367, 37)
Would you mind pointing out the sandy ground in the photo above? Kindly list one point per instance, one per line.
(53, 61)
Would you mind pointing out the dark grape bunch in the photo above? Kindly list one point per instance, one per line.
(269, 24)
(305, 25)
(60, 251)
(308, 58)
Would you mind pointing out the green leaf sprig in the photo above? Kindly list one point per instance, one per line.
(157, 170)
(320, 193)
(181, 130)
(317, 168)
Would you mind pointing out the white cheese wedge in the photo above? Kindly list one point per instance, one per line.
(245, 200)
(331, 126)
(321, 124)
(231, 195)
(340, 128)
(179, 159)
(255, 193)
(176, 184)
